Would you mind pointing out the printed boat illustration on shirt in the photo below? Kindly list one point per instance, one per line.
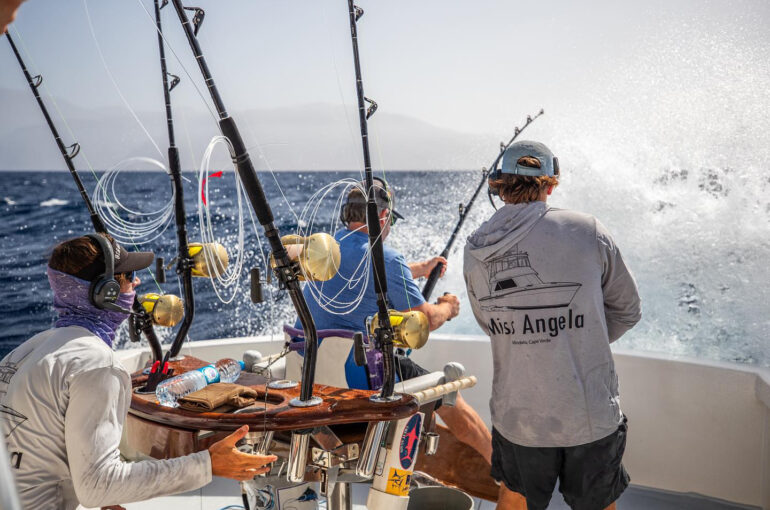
(514, 285)
(9, 420)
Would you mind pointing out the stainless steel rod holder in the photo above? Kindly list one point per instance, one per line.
(370, 449)
(431, 443)
(298, 457)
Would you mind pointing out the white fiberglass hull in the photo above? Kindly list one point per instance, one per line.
(695, 426)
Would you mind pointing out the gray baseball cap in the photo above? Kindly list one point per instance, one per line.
(383, 196)
(549, 164)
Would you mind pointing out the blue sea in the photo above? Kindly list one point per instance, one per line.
(41, 209)
(701, 275)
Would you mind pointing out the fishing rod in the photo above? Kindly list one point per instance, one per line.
(433, 277)
(185, 263)
(284, 269)
(140, 319)
(384, 332)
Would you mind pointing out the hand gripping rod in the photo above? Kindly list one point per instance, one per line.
(251, 184)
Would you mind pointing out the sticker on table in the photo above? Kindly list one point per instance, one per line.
(398, 482)
(410, 439)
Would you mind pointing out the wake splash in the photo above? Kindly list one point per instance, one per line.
(670, 152)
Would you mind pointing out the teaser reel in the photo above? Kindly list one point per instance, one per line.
(410, 329)
(165, 310)
(315, 258)
(209, 260)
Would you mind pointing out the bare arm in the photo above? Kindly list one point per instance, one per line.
(446, 307)
(423, 268)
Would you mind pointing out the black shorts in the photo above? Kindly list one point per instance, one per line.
(408, 369)
(591, 476)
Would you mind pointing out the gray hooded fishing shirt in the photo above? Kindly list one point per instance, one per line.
(551, 290)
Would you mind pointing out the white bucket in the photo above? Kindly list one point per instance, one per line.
(439, 498)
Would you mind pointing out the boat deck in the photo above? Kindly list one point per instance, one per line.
(223, 493)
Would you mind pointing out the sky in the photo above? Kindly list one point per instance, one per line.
(448, 70)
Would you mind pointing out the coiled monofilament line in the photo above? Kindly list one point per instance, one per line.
(359, 279)
(83, 153)
(331, 303)
(306, 224)
(150, 225)
(231, 277)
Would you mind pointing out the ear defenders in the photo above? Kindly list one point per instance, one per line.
(105, 289)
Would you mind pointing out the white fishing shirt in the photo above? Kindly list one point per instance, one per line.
(63, 401)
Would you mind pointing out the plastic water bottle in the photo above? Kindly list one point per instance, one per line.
(229, 370)
(225, 370)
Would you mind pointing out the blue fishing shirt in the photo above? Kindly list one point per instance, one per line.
(341, 291)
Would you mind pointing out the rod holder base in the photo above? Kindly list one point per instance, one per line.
(283, 384)
(311, 402)
(377, 399)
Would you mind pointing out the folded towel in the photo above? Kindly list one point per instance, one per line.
(216, 395)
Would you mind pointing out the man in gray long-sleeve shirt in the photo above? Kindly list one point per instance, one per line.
(550, 288)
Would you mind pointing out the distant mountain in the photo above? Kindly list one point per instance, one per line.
(306, 137)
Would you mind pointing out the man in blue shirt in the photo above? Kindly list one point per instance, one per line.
(348, 299)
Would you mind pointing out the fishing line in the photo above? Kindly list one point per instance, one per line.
(50, 97)
(352, 135)
(356, 155)
(114, 82)
(170, 47)
(384, 178)
(107, 203)
(272, 174)
(231, 276)
(359, 279)
(259, 146)
(206, 228)
(82, 152)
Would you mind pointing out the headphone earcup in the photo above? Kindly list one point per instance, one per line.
(103, 291)
(493, 176)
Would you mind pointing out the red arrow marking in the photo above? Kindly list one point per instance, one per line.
(203, 186)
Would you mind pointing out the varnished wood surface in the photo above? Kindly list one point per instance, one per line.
(272, 411)
(458, 465)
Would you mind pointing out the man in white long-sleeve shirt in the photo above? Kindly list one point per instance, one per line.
(64, 398)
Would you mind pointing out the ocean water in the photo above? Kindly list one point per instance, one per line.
(701, 275)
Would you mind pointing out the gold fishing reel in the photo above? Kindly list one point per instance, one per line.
(410, 329)
(208, 259)
(165, 310)
(318, 255)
